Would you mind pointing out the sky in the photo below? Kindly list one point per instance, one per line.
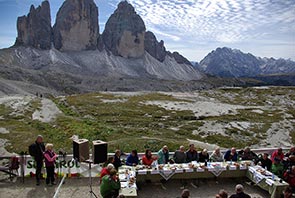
(265, 28)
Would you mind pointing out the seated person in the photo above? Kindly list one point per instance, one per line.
(110, 185)
(278, 154)
(277, 167)
(106, 171)
(179, 155)
(240, 192)
(247, 154)
(290, 161)
(148, 158)
(289, 177)
(117, 159)
(203, 156)
(192, 154)
(231, 155)
(290, 152)
(265, 162)
(132, 159)
(216, 156)
(163, 155)
(110, 160)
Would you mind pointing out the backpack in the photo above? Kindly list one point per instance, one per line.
(14, 163)
(32, 150)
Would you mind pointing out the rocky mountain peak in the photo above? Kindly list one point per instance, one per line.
(125, 32)
(35, 28)
(227, 62)
(76, 26)
(153, 47)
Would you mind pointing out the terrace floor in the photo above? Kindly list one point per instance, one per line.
(79, 188)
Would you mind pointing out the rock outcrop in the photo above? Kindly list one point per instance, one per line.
(125, 32)
(179, 58)
(153, 47)
(76, 26)
(35, 29)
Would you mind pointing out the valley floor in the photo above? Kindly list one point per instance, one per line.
(224, 117)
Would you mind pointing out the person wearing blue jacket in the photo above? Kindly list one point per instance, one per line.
(231, 155)
(132, 159)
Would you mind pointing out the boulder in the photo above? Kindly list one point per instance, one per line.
(35, 30)
(124, 32)
(76, 26)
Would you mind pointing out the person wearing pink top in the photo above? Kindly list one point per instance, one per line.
(278, 154)
(50, 158)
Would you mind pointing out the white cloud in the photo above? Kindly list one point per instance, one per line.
(217, 20)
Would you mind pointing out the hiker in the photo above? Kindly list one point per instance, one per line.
(36, 150)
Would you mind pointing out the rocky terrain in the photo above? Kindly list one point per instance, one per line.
(224, 117)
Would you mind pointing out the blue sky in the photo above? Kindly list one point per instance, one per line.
(265, 28)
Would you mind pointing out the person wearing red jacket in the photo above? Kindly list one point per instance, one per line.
(50, 158)
(278, 154)
(106, 171)
(148, 158)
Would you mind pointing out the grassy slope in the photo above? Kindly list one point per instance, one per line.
(131, 124)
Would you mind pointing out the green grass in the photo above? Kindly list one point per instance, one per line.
(132, 124)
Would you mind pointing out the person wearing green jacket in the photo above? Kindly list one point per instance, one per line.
(163, 154)
(110, 185)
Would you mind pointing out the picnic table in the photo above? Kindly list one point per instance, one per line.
(194, 170)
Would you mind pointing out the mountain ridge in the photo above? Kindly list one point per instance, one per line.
(227, 62)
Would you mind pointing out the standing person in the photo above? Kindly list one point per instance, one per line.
(50, 158)
(240, 192)
(162, 155)
(192, 154)
(231, 155)
(132, 159)
(180, 156)
(117, 159)
(222, 194)
(148, 158)
(216, 156)
(36, 151)
(110, 185)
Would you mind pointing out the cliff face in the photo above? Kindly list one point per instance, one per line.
(76, 26)
(125, 32)
(35, 28)
(153, 47)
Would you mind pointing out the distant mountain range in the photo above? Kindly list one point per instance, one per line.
(72, 56)
(227, 62)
